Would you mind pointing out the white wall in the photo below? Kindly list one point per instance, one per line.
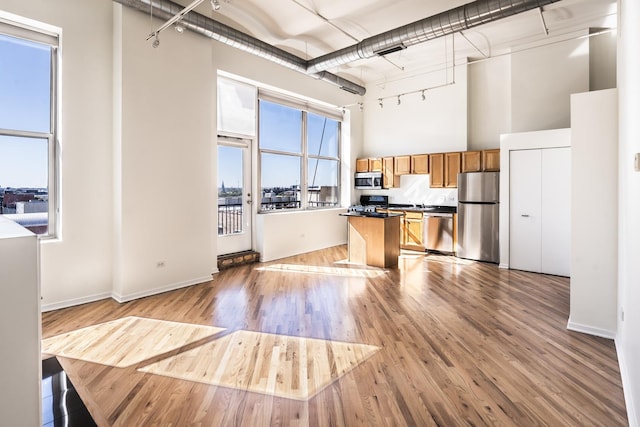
(291, 233)
(78, 267)
(594, 207)
(628, 338)
(542, 79)
(438, 124)
(489, 102)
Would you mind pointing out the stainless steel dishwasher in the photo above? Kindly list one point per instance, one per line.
(438, 232)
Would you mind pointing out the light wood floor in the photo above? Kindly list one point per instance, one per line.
(456, 343)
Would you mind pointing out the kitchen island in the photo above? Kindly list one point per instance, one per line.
(374, 238)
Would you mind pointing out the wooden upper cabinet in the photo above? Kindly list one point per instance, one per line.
(451, 169)
(420, 163)
(471, 161)
(436, 164)
(402, 165)
(389, 179)
(362, 165)
(375, 165)
(491, 160)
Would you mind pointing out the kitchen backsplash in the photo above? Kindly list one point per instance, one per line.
(414, 189)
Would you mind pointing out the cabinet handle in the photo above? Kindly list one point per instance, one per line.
(525, 215)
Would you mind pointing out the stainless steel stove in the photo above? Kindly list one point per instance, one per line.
(369, 204)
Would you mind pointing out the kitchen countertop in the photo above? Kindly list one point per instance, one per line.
(371, 214)
(423, 208)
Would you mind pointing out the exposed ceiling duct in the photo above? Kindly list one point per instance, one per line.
(445, 23)
(198, 23)
(449, 22)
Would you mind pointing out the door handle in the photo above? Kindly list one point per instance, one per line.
(525, 215)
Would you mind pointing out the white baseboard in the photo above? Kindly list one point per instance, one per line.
(160, 290)
(626, 381)
(75, 301)
(586, 329)
(503, 265)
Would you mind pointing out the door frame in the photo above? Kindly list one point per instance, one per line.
(248, 194)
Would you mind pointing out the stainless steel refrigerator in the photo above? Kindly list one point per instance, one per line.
(478, 215)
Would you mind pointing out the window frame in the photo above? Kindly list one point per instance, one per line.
(28, 30)
(305, 108)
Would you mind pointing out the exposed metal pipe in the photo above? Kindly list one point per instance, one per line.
(448, 22)
(451, 21)
(165, 9)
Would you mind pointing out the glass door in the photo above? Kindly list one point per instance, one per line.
(234, 195)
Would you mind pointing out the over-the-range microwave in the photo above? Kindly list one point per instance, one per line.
(368, 180)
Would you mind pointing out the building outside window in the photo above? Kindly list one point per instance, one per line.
(299, 148)
(28, 82)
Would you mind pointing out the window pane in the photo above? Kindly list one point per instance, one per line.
(280, 181)
(236, 107)
(230, 206)
(24, 181)
(323, 182)
(280, 128)
(322, 136)
(25, 85)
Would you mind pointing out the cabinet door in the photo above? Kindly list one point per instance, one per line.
(415, 233)
(388, 177)
(451, 169)
(491, 160)
(556, 211)
(436, 164)
(525, 198)
(375, 165)
(420, 163)
(362, 165)
(471, 161)
(402, 165)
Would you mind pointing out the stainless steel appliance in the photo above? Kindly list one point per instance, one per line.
(438, 231)
(368, 180)
(478, 215)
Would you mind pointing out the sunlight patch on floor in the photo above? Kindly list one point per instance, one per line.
(329, 271)
(276, 365)
(127, 341)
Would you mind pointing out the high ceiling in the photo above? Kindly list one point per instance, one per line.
(311, 28)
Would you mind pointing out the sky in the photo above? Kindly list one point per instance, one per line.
(24, 105)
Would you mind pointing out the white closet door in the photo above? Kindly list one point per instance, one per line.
(525, 210)
(556, 211)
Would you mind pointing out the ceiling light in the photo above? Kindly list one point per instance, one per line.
(360, 106)
(156, 42)
(215, 5)
(380, 102)
(423, 95)
(179, 27)
(399, 102)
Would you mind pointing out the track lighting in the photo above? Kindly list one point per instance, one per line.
(380, 103)
(178, 27)
(399, 102)
(360, 106)
(156, 42)
(423, 95)
(215, 5)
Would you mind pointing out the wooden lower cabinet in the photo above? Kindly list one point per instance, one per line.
(374, 241)
(411, 230)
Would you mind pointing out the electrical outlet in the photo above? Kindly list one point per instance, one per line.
(636, 162)
(160, 264)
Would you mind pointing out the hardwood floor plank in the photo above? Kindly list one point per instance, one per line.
(458, 343)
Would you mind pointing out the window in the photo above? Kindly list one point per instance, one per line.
(299, 155)
(28, 128)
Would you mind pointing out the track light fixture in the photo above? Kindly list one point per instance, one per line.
(156, 42)
(380, 103)
(399, 102)
(423, 95)
(215, 5)
(178, 27)
(360, 106)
